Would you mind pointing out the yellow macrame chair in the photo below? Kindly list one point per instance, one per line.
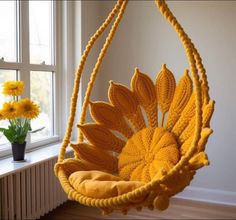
(141, 164)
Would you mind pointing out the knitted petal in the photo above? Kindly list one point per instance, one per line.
(158, 134)
(146, 138)
(207, 113)
(127, 102)
(72, 165)
(198, 161)
(165, 86)
(181, 98)
(110, 117)
(206, 132)
(123, 98)
(144, 89)
(97, 156)
(101, 137)
(205, 95)
(185, 146)
(186, 116)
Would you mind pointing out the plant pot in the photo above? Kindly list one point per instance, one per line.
(18, 151)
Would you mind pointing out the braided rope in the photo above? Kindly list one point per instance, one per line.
(202, 71)
(78, 74)
(98, 64)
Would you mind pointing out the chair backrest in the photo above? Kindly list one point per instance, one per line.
(196, 67)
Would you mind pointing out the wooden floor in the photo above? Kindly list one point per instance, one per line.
(179, 209)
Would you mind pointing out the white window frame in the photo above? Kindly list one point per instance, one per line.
(24, 67)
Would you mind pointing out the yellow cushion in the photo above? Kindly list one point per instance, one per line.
(147, 154)
(97, 184)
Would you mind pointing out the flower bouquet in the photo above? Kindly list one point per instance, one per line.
(18, 112)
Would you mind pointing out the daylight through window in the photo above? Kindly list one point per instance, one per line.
(27, 53)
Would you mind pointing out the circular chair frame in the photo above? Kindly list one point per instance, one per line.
(150, 190)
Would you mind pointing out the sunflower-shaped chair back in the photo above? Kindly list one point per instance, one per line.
(146, 144)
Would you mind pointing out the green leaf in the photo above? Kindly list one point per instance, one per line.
(10, 134)
(26, 126)
(2, 129)
(21, 139)
(16, 132)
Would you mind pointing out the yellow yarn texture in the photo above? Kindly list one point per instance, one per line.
(144, 145)
(101, 184)
(147, 154)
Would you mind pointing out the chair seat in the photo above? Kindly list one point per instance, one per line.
(101, 185)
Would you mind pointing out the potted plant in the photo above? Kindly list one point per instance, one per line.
(19, 113)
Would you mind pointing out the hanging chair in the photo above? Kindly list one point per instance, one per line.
(147, 143)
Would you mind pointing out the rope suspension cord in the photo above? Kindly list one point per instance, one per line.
(78, 74)
(203, 73)
(98, 64)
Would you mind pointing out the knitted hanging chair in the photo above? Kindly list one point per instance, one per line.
(125, 161)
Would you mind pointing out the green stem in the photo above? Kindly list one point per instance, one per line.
(11, 122)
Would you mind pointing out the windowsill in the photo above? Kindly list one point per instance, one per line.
(7, 151)
(8, 166)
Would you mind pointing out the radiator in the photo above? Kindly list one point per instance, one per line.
(30, 193)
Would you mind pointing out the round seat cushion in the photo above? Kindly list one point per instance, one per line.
(147, 154)
(101, 185)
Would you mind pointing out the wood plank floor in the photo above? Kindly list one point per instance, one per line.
(179, 209)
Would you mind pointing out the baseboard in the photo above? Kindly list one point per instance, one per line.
(208, 195)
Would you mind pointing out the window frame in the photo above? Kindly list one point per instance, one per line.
(23, 66)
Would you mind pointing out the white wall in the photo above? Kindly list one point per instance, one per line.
(145, 40)
(87, 19)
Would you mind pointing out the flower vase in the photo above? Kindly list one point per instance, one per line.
(18, 151)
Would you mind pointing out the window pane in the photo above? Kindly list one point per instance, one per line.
(8, 34)
(40, 18)
(5, 75)
(41, 86)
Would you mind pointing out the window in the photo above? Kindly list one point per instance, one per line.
(27, 52)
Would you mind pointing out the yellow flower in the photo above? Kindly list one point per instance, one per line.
(1, 115)
(28, 108)
(13, 88)
(10, 110)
